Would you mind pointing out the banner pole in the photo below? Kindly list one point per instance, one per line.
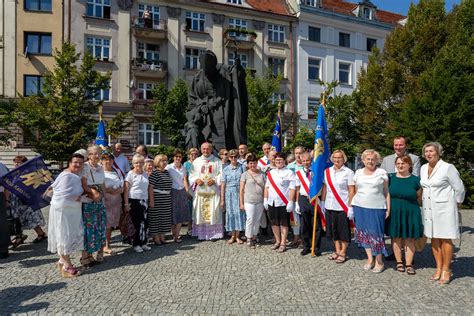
(315, 217)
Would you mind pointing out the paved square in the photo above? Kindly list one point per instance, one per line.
(215, 278)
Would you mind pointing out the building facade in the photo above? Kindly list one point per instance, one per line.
(8, 49)
(335, 39)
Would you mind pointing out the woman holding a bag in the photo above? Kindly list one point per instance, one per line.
(405, 222)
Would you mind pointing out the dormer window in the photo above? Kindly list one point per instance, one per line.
(312, 3)
(366, 10)
(234, 1)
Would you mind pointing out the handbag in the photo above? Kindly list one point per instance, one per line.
(125, 225)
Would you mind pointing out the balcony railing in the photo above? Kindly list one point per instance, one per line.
(150, 28)
(149, 68)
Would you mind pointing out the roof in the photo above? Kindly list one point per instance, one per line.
(344, 7)
(268, 6)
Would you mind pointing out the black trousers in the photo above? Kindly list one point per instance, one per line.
(137, 214)
(4, 231)
(307, 215)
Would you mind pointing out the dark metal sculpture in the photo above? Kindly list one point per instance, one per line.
(218, 105)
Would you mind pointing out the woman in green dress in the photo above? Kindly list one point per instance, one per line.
(405, 224)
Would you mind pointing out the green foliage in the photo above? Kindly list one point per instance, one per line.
(170, 111)
(60, 119)
(162, 149)
(262, 113)
(304, 137)
(421, 87)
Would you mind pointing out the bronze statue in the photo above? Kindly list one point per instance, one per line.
(218, 105)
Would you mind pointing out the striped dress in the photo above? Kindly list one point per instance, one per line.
(160, 216)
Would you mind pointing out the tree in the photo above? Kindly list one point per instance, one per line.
(262, 112)
(170, 111)
(60, 119)
(304, 137)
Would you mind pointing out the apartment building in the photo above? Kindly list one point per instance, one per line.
(335, 39)
(7, 49)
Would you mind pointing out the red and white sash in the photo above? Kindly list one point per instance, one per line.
(262, 162)
(280, 194)
(336, 194)
(305, 183)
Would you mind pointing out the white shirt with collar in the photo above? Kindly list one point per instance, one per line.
(285, 179)
(303, 173)
(341, 179)
(388, 163)
(177, 175)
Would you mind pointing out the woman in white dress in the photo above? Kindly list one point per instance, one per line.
(443, 192)
(65, 230)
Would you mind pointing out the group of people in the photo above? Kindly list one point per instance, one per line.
(234, 191)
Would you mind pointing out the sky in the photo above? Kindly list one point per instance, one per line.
(402, 6)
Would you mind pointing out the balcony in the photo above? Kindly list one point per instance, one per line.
(150, 29)
(142, 107)
(239, 39)
(154, 69)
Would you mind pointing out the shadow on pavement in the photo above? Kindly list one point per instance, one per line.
(10, 303)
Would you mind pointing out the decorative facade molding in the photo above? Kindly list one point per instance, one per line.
(218, 18)
(173, 12)
(258, 25)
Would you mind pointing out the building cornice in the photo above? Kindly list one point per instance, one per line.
(346, 18)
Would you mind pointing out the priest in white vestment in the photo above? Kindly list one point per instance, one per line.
(204, 178)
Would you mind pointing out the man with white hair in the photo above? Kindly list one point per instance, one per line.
(204, 177)
(264, 162)
(121, 164)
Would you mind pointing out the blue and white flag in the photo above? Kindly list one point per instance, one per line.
(321, 156)
(101, 138)
(29, 181)
(276, 140)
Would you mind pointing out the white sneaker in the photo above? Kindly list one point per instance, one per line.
(138, 249)
(146, 247)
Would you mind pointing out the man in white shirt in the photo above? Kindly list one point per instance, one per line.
(121, 164)
(279, 200)
(297, 164)
(264, 162)
(305, 208)
(400, 148)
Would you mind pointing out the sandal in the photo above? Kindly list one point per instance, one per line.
(239, 241)
(400, 267)
(19, 240)
(275, 246)
(108, 251)
(436, 276)
(40, 238)
(99, 257)
(70, 272)
(282, 249)
(410, 269)
(231, 240)
(446, 277)
(59, 264)
(341, 259)
(333, 256)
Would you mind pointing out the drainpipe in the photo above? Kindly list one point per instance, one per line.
(291, 79)
(69, 21)
(62, 21)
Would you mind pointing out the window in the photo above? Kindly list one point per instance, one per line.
(313, 105)
(344, 40)
(243, 59)
(277, 65)
(99, 48)
(195, 21)
(192, 58)
(314, 34)
(101, 95)
(234, 1)
(147, 136)
(371, 42)
(276, 33)
(148, 52)
(38, 5)
(33, 85)
(345, 73)
(367, 13)
(98, 8)
(314, 69)
(238, 24)
(277, 97)
(38, 43)
(146, 90)
(151, 18)
(313, 3)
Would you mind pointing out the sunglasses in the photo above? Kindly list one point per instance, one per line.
(225, 154)
(233, 157)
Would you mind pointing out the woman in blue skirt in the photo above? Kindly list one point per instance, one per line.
(371, 205)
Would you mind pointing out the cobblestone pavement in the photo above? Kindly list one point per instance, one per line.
(215, 278)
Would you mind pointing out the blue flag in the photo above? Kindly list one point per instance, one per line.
(101, 138)
(321, 158)
(29, 181)
(276, 140)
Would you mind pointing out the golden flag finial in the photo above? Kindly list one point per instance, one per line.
(100, 112)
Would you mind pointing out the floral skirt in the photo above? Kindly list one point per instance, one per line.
(94, 219)
(369, 229)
